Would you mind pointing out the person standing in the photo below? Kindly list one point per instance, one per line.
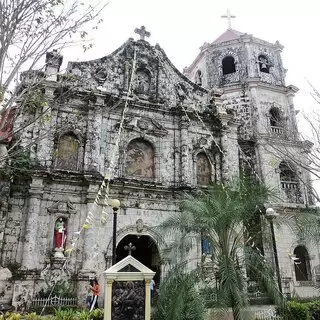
(152, 288)
(95, 288)
(89, 295)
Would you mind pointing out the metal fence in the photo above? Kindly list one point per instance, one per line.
(266, 315)
(54, 302)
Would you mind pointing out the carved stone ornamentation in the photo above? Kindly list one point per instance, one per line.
(128, 299)
(144, 125)
(142, 82)
(62, 207)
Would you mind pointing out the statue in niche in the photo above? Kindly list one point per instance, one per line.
(142, 84)
(60, 237)
(205, 245)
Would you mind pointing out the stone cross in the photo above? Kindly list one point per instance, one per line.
(229, 16)
(142, 32)
(129, 248)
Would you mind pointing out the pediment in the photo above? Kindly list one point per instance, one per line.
(144, 125)
(62, 206)
(156, 80)
(129, 265)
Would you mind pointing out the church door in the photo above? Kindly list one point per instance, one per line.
(146, 251)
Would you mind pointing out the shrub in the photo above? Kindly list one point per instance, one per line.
(297, 311)
(97, 314)
(12, 316)
(67, 314)
(83, 315)
(33, 316)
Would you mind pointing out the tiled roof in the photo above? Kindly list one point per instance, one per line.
(228, 35)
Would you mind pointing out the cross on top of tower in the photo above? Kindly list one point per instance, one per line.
(142, 32)
(129, 248)
(228, 16)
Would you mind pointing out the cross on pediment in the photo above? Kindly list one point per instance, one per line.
(228, 16)
(142, 32)
(129, 248)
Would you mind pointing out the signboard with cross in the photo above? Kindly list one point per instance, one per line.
(127, 289)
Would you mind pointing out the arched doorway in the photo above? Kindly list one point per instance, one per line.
(146, 252)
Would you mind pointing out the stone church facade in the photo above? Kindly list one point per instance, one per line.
(151, 133)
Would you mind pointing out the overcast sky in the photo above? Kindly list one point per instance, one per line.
(182, 26)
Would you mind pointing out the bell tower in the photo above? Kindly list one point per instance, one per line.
(250, 73)
(236, 57)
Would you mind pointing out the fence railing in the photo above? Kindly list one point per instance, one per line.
(266, 315)
(277, 131)
(54, 301)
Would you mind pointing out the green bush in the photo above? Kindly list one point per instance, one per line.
(297, 311)
(10, 316)
(97, 314)
(67, 314)
(83, 315)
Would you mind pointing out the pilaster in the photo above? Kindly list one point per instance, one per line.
(185, 155)
(89, 234)
(30, 250)
(93, 143)
(229, 143)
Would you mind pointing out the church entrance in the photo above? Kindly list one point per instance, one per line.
(146, 252)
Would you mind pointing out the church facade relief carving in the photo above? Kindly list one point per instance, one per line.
(142, 81)
(67, 153)
(128, 300)
(140, 159)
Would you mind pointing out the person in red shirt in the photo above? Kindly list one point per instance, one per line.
(95, 288)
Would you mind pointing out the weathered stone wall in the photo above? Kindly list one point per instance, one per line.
(177, 117)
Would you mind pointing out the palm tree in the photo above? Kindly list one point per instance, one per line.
(178, 298)
(224, 215)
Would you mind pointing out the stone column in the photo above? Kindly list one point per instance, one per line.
(93, 143)
(229, 143)
(185, 156)
(30, 250)
(89, 234)
(292, 112)
(108, 299)
(147, 306)
(45, 125)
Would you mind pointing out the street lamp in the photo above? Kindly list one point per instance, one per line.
(270, 215)
(115, 204)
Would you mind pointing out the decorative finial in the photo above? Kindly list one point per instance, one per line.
(142, 32)
(229, 16)
(129, 248)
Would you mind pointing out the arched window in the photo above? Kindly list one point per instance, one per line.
(287, 173)
(67, 152)
(275, 117)
(198, 78)
(289, 184)
(228, 65)
(140, 159)
(302, 264)
(263, 64)
(203, 169)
